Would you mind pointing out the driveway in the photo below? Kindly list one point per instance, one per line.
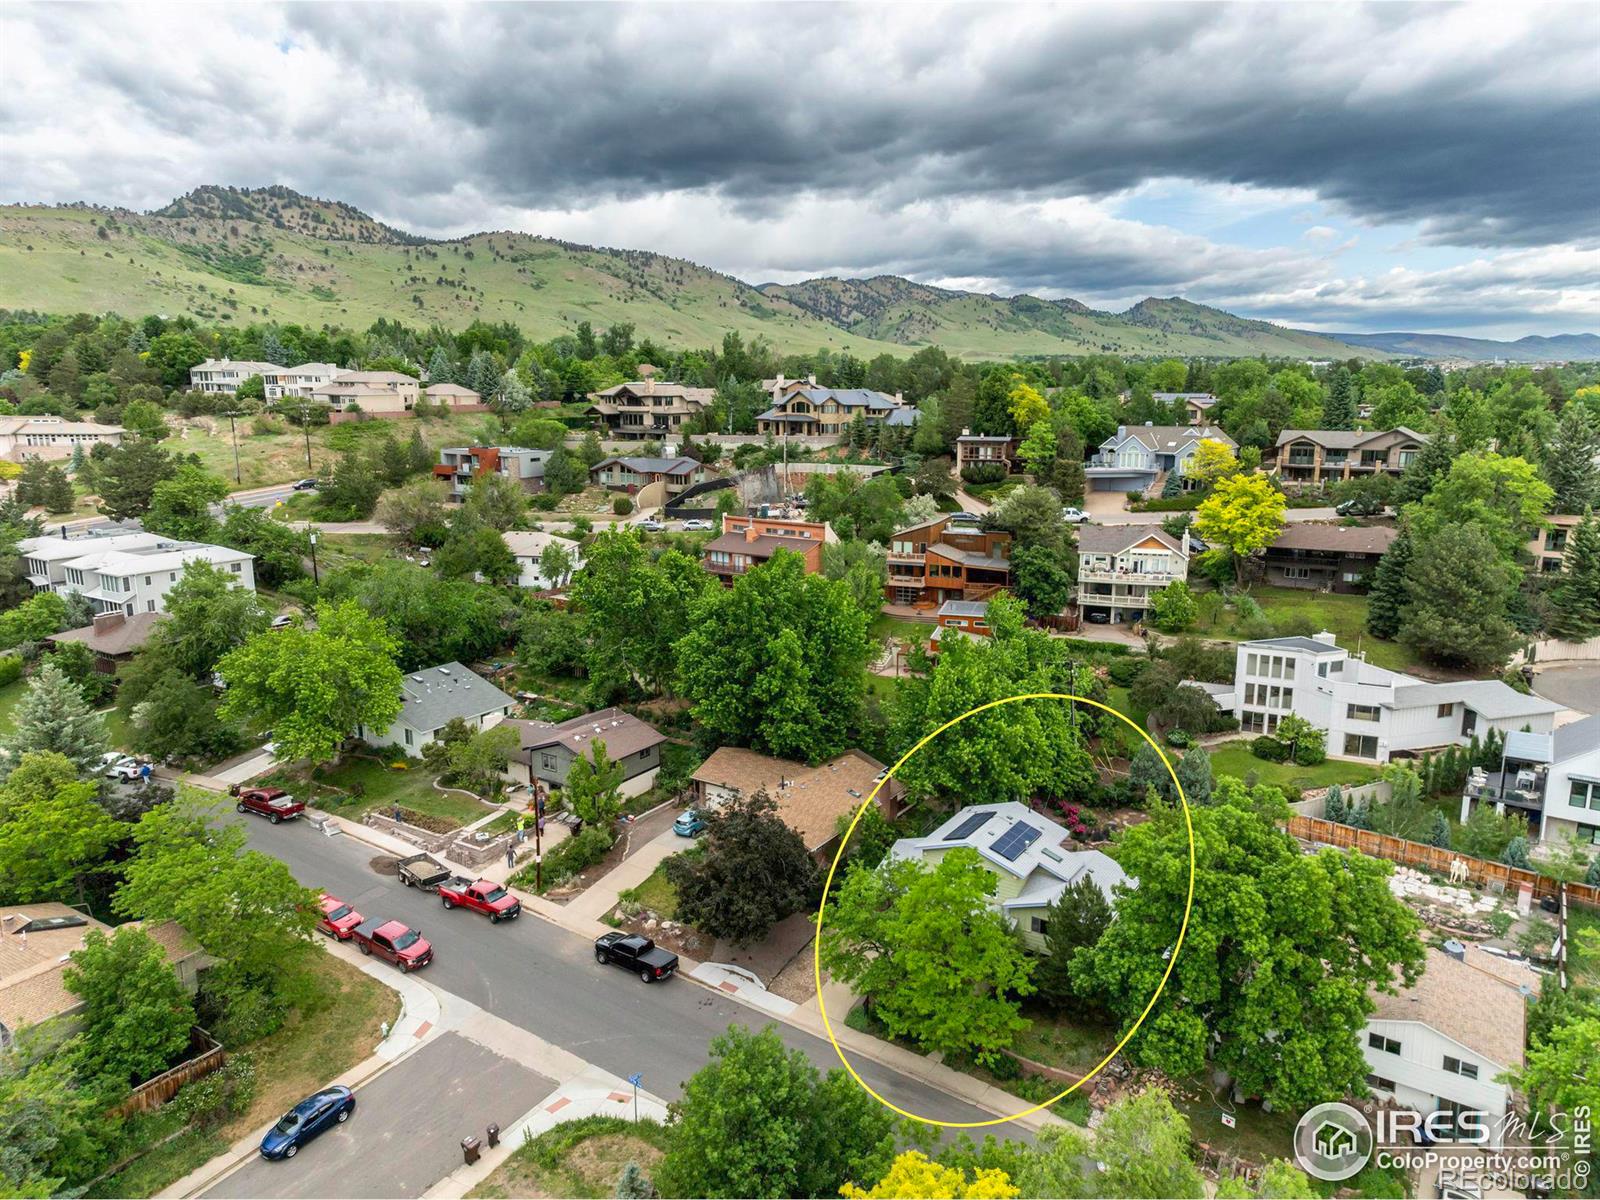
(1577, 686)
(407, 1128)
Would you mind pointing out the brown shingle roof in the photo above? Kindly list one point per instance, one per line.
(810, 799)
(1477, 1002)
(623, 734)
(125, 638)
(1346, 539)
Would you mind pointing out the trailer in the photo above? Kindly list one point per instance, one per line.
(423, 871)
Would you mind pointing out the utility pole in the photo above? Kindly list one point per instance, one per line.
(234, 430)
(305, 425)
(538, 836)
(316, 577)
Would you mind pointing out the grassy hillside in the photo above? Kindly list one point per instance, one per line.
(220, 255)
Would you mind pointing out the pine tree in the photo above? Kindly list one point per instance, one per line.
(634, 1184)
(1173, 486)
(1147, 771)
(1194, 775)
(1516, 854)
(273, 350)
(52, 715)
(58, 495)
(1439, 835)
(1359, 816)
(483, 375)
(441, 369)
(1569, 460)
(1576, 615)
(1427, 468)
(1459, 591)
(1387, 600)
(1339, 409)
(1333, 808)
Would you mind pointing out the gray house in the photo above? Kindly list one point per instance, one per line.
(433, 697)
(548, 751)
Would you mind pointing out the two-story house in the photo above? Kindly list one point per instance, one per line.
(1312, 457)
(1369, 712)
(1197, 406)
(749, 541)
(222, 376)
(938, 561)
(1443, 1044)
(959, 619)
(369, 393)
(828, 412)
(129, 573)
(52, 438)
(1548, 547)
(635, 473)
(1028, 854)
(435, 696)
(528, 547)
(548, 749)
(283, 383)
(459, 465)
(1121, 566)
(648, 408)
(1552, 779)
(1327, 558)
(983, 449)
(1139, 457)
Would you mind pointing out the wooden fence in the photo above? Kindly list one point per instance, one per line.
(206, 1056)
(1480, 872)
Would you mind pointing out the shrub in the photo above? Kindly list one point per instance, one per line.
(571, 856)
(1310, 753)
(10, 668)
(622, 506)
(1178, 738)
(1123, 671)
(1269, 748)
(983, 473)
(544, 501)
(221, 1095)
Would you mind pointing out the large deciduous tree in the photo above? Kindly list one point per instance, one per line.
(1243, 513)
(53, 832)
(180, 507)
(1504, 498)
(208, 616)
(136, 1015)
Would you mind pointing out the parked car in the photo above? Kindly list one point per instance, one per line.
(423, 871)
(651, 525)
(329, 1107)
(394, 941)
(1359, 506)
(114, 762)
(1097, 618)
(635, 953)
(307, 485)
(282, 621)
(689, 824)
(697, 525)
(338, 920)
(274, 804)
(1074, 516)
(484, 896)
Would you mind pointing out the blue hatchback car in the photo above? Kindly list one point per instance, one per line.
(329, 1107)
(689, 824)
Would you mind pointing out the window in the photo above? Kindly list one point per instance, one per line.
(1589, 834)
(1361, 745)
(1039, 925)
(1380, 1083)
(643, 754)
(408, 735)
(1250, 665)
(1445, 710)
(234, 567)
(147, 581)
(1464, 1069)
(1361, 712)
(547, 761)
(1387, 1044)
(1297, 572)
(1579, 797)
(149, 606)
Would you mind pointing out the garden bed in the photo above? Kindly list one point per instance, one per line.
(581, 1158)
(361, 784)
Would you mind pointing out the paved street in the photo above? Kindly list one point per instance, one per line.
(407, 1128)
(1577, 686)
(544, 979)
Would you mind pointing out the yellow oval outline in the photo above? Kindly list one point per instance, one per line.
(822, 908)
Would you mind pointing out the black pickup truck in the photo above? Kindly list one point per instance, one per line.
(636, 954)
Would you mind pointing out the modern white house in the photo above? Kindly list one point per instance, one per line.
(1138, 457)
(528, 547)
(1553, 779)
(1369, 712)
(298, 382)
(1028, 854)
(1120, 566)
(1442, 1044)
(222, 376)
(432, 698)
(129, 573)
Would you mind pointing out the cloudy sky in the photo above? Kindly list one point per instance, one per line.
(1375, 167)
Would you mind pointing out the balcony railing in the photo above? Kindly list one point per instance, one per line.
(1158, 579)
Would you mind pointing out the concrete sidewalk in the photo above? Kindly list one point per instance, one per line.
(600, 897)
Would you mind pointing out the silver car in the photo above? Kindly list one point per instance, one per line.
(697, 525)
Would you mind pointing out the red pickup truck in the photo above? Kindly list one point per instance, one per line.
(274, 804)
(394, 941)
(338, 920)
(485, 896)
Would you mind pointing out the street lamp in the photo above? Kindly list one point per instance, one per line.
(316, 578)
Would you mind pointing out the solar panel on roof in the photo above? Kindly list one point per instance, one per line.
(1015, 840)
(968, 827)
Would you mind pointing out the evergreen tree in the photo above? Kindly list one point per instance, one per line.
(1516, 854)
(1066, 472)
(483, 374)
(1592, 875)
(273, 350)
(1146, 771)
(514, 396)
(1194, 776)
(1339, 409)
(1439, 835)
(1569, 460)
(1358, 816)
(441, 368)
(58, 496)
(1387, 599)
(1333, 808)
(634, 1184)
(1459, 590)
(1427, 468)
(1076, 919)
(33, 483)
(1173, 486)
(52, 715)
(1576, 615)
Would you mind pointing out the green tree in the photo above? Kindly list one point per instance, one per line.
(1570, 461)
(180, 507)
(57, 495)
(280, 549)
(564, 473)
(555, 563)
(591, 792)
(1173, 608)
(1143, 1148)
(1243, 513)
(1194, 776)
(1486, 833)
(1075, 920)
(496, 501)
(1504, 498)
(351, 491)
(1038, 448)
(1388, 597)
(935, 961)
(1339, 409)
(54, 834)
(1040, 580)
(754, 872)
(415, 513)
(1459, 590)
(34, 619)
(54, 1135)
(478, 762)
(127, 477)
(136, 1015)
(436, 619)
(144, 419)
(52, 715)
(1032, 515)
(1575, 612)
(758, 1121)
(208, 617)
(171, 714)
(315, 687)
(1559, 1075)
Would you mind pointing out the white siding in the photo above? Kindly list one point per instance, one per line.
(1418, 1073)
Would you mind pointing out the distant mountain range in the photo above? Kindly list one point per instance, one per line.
(245, 254)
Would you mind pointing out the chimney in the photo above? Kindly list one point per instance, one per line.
(899, 398)
(1326, 638)
(751, 533)
(812, 380)
(965, 432)
(108, 620)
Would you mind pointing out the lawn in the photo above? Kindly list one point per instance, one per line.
(302, 1056)
(381, 787)
(655, 893)
(118, 728)
(10, 696)
(1064, 1044)
(335, 550)
(884, 626)
(580, 1158)
(1234, 758)
(1299, 610)
(882, 686)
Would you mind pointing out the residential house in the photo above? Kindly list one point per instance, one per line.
(36, 942)
(749, 541)
(811, 800)
(1444, 1044)
(938, 561)
(113, 638)
(371, 393)
(829, 412)
(1121, 566)
(528, 546)
(549, 750)
(460, 465)
(1313, 457)
(648, 409)
(1327, 558)
(1138, 458)
(1549, 546)
(52, 438)
(981, 449)
(959, 618)
(1552, 779)
(434, 696)
(1197, 406)
(222, 376)
(1029, 855)
(454, 397)
(633, 474)
(127, 572)
(297, 383)
(1369, 712)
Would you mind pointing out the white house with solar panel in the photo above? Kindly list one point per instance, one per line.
(1029, 855)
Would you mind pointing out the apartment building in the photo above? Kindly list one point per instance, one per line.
(1548, 547)
(829, 412)
(297, 383)
(938, 561)
(1121, 566)
(458, 466)
(1327, 558)
(634, 473)
(648, 408)
(129, 573)
(1369, 712)
(222, 376)
(1138, 457)
(373, 393)
(1313, 457)
(982, 449)
(1197, 406)
(1552, 779)
(52, 438)
(747, 542)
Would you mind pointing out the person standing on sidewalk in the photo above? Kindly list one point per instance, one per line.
(511, 856)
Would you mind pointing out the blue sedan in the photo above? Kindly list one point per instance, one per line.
(329, 1107)
(689, 824)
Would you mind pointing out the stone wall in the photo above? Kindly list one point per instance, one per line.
(422, 839)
